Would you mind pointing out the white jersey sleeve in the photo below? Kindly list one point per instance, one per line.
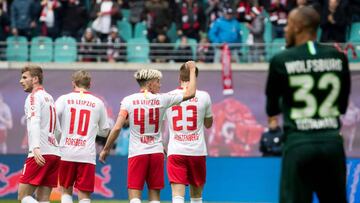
(41, 122)
(186, 125)
(104, 124)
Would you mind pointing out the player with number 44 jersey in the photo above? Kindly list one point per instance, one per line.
(82, 117)
(145, 111)
(187, 152)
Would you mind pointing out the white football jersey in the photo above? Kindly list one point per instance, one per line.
(146, 112)
(82, 117)
(186, 125)
(41, 122)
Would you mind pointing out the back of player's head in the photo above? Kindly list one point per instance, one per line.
(81, 79)
(35, 71)
(144, 75)
(185, 73)
(308, 17)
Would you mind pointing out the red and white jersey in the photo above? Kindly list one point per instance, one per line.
(186, 125)
(82, 117)
(42, 122)
(146, 112)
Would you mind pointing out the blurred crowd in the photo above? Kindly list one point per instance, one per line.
(206, 21)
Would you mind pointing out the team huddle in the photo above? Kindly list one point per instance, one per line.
(309, 84)
(62, 137)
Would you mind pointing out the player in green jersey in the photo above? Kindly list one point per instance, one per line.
(309, 84)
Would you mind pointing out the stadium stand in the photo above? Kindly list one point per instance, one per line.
(41, 49)
(16, 49)
(65, 49)
(138, 50)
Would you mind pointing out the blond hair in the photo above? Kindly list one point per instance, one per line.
(144, 75)
(81, 79)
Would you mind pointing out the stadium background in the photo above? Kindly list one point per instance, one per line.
(236, 170)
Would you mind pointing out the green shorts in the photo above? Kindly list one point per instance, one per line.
(313, 165)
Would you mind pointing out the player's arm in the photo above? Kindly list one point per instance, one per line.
(273, 94)
(114, 133)
(208, 120)
(104, 125)
(191, 89)
(345, 86)
(59, 106)
(34, 131)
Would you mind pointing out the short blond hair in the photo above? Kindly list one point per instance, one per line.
(144, 75)
(81, 79)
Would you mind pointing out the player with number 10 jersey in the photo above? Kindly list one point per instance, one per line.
(82, 116)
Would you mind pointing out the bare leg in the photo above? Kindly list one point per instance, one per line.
(134, 195)
(25, 190)
(154, 195)
(66, 194)
(84, 195)
(178, 192)
(196, 194)
(43, 193)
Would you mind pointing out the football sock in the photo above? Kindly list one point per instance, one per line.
(66, 198)
(178, 199)
(85, 201)
(135, 200)
(28, 199)
(196, 200)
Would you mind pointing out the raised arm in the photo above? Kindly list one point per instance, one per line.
(191, 90)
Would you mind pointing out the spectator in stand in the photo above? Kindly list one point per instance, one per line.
(205, 51)
(190, 19)
(23, 17)
(334, 21)
(278, 18)
(291, 4)
(116, 48)
(213, 11)
(71, 10)
(183, 52)
(157, 17)
(136, 11)
(256, 35)
(4, 20)
(244, 11)
(355, 11)
(89, 47)
(226, 29)
(160, 49)
(105, 14)
(50, 17)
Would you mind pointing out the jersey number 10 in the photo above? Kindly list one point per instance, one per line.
(83, 122)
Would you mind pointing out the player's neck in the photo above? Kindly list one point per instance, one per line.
(305, 37)
(80, 89)
(36, 87)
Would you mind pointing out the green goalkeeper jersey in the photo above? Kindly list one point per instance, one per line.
(310, 85)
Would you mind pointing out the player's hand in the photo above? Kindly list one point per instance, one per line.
(103, 154)
(190, 65)
(39, 159)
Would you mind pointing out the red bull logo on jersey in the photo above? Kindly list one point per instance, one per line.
(8, 181)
